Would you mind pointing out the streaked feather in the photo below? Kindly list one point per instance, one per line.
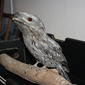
(44, 49)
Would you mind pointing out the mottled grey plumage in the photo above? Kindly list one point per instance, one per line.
(44, 49)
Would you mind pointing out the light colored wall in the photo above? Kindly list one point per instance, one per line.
(63, 18)
(8, 6)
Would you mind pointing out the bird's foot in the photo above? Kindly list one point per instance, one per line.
(36, 64)
(44, 67)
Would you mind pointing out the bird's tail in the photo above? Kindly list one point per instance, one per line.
(62, 72)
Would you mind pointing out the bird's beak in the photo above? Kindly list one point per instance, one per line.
(15, 19)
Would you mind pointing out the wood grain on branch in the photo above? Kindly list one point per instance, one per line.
(42, 76)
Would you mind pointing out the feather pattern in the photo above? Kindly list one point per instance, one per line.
(44, 49)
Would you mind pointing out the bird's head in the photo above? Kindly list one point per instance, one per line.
(28, 22)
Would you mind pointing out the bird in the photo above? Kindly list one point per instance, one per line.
(45, 50)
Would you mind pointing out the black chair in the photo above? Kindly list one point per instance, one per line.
(74, 51)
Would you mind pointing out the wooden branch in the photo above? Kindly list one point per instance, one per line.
(42, 76)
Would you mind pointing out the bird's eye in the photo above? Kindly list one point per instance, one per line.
(30, 19)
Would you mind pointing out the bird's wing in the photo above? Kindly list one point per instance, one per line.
(58, 55)
(52, 50)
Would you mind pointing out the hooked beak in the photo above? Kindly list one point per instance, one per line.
(15, 19)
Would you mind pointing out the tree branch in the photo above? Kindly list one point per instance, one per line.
(42, 76)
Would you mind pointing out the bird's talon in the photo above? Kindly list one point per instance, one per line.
(36, 64)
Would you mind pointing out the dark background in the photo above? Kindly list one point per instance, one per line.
(74, 51)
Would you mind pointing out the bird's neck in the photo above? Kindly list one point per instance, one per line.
(33, 35)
